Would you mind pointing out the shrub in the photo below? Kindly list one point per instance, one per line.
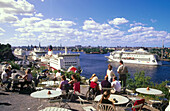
(68, 75)
(140, 80)
(14, 66)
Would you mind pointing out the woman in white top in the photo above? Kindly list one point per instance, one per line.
(110, 73)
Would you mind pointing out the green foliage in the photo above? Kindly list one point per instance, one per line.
(140, 80)
(68, 75)
(6, 52)
(14, 66)
(162, 87)
(34, 71)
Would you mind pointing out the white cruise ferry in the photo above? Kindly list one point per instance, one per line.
(61, 60)
(37, 53)
(19, 52)
(136, 57)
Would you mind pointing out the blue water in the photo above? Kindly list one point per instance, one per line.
(97, 63)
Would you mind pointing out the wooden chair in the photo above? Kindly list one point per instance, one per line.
(105, 107)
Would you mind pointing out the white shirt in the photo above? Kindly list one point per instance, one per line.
(117, 85)
(4, 76)
(110, 73)
(4, 67)
(94, 79)
(58, 74)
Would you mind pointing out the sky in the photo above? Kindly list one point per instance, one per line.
(111, 23)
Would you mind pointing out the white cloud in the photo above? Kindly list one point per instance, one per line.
(9, 9)
(26, 22)
(91, 25)
(137, 24)
(140, 28)
(118, 21)
(7, 18)
(168, 36)
(39, 15)
(16, 7)
(2, 30)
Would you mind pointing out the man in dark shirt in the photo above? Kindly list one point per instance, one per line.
(105, 83)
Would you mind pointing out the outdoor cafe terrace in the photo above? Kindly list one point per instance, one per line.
(41, 99)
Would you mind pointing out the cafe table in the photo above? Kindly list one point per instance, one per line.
(120, 99)
(151, 91)
(43, 94)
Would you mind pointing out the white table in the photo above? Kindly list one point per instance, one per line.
(119, 98)
(151, 91)
(43, 94)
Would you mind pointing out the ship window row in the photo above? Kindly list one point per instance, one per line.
(134, 55)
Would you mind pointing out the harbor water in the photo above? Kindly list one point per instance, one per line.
(97, 63)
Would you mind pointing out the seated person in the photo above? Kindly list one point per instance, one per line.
(15, 80)
(105, 83)
(57, 76)
(93, 81)
(44, 74)
(116, 84)
(63, 82)
(5, 79)
(27, 77)
(10, 72)
(94, 85)
(74, 80)
(105, 99)
(14, 75)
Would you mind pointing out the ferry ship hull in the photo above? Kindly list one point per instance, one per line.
(133, 62)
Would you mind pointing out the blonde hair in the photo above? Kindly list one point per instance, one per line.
(92, 76)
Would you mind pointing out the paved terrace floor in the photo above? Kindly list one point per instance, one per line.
(13, 101)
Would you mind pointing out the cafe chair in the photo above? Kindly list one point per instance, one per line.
(105, 107)
(137, 106)
(76, 88)
(54, 109)
(63, 103)
(86, 108)
(159, 104)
